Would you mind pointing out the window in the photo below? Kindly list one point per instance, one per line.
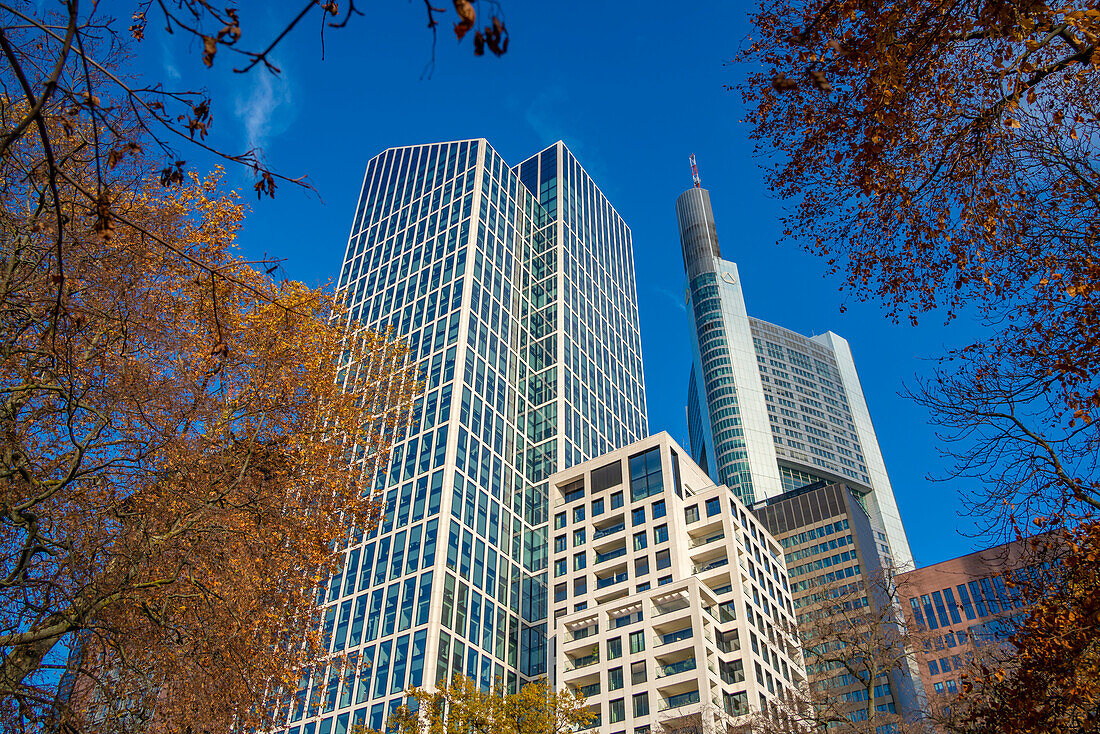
(641, 566)
(645, 474)
(573, 493)
(559, 544)
(639, 541)
(579, 561)
(641, 705)
(607, 476)
(616, 500)
(714, 506)
(559, 521)
(664, 580)
(614, 679)
(643, 587)
(658, 509)
(578, 514)
(637, 641)
(637, 517)
(561, 592)
(664, 559)
(614, 648)
(597, 507)
(933, 667)
(560, 567)
(691, 514)
(578, 538)
(617, 710)
(660, 534)
(637, 673)
(580, 586)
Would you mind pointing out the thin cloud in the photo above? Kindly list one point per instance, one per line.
(267, 110)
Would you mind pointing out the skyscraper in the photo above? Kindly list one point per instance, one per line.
(515, 288)
(770, 410)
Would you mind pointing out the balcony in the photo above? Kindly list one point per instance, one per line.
(603, 583)
(680, 699)
(699, 542)
(582, 662)
(611, 554)
(677, 636)
(603, 532)
(583, 632)
(710, 565)
(592, 689)
(664, 671)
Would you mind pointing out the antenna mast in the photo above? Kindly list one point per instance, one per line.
(695, 172)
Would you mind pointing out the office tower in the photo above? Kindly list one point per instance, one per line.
(965, 604)
(770, 410)
(835, 556)
(515, 288)
(670, 601)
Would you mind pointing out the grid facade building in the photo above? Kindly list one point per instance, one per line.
(515, 288)
(770, 410)
(670, 600)
(833, 550)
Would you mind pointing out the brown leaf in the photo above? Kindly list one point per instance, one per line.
(782, 84)
(467, 17)
(209, 48)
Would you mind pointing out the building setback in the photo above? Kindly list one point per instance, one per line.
(832, 548)
(514, 286)
(670, 601)
(770, 410)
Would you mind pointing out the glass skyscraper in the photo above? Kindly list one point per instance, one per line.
(515, 288)
(770, 410)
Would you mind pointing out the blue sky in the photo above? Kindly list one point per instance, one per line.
(632, 90)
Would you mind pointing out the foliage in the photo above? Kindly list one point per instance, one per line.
(463, 708)
(943, 155)
(174, 454)
(854, 642)
(1051, 682)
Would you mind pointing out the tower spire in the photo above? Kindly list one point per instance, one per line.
(695, 172)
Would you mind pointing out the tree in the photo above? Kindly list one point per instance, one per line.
(175, 459)
(859, 656)
(461, 707)
(1050, 681)
(943, 155)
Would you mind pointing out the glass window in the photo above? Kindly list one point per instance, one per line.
(660, 534)
(664, 580)
(616, 500)
(578, 537)
(658, 509)
(637, 517)
(714, 506)
(614, 648)
(637, 641)
(691, 514)
(578, 514)
(560, 567)
(664, 559)
(559, 521)
(641, 566)
(597, 507)
(617, 710)
(559, 544)
(641, 704)
(645, 474)
(579, 561)
(637, 673)
(614, 679)
(640, 541)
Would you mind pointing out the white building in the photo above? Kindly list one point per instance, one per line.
(669, 599)
(770, 410)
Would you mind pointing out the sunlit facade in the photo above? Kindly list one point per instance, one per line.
(515, 288)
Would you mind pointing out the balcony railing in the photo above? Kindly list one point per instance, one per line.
(608, 531)
(676, 636)
(582, 662)
(707, 540)
(590, 690)
(671, 607)
(680, 699)
(584, 632)
(617, 553)
(674, 668)
(610, 580)
(732, 645)
(716, 563)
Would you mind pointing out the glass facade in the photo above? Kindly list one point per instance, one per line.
(515, 288)
(769, 410)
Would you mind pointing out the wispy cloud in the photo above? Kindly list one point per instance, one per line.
(267, 109)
